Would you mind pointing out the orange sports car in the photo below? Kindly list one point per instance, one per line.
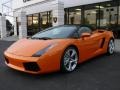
(58, 48)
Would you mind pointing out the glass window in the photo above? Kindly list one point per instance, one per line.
(84, 30)
(91, 15)
(30, 20)
(99, 15)
(56, 32)
(119, 14)
(66, 16)
(109, 14)
(46, 20)
(50, 19)
(35, 18)
(73, 15)
(29, 24)
(37, 22)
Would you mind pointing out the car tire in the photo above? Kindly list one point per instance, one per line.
(111, 47)
(69, 60)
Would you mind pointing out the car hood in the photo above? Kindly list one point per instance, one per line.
(28, 47)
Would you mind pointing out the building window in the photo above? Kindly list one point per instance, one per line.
(73, 15)
(30, 20)
(110, 14)
(46, 20)
(29, 24)
(91, 15)
(38, 22)
(119, 14)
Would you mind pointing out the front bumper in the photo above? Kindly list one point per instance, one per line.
(24, 64)
(34, 65)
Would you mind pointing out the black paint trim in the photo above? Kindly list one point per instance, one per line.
(102, 44)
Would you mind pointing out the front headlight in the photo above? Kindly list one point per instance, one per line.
(41, 52)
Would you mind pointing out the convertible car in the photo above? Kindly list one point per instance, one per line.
(58, 48)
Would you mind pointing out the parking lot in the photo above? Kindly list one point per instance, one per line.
(100, 73)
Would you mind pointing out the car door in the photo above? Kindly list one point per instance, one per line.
(88, 45)
(99, 37)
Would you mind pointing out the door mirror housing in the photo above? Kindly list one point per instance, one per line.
(85, 35)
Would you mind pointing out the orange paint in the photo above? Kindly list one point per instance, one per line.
(22, 51)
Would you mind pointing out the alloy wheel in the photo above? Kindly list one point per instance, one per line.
(70, 59)
(111, 47)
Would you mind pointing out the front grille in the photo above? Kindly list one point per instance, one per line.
(7, 61)
(31, 66)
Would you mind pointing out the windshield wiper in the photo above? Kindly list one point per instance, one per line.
(41, 38)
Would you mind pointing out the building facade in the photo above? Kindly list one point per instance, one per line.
(32, 16)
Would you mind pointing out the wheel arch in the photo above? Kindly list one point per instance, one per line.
(74, 47)
(112, 39)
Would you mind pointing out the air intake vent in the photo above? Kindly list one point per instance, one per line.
(31, 66)
(7, 61)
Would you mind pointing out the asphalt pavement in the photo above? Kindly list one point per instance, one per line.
(100, 73)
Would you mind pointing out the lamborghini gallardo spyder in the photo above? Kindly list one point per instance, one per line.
(59, 48)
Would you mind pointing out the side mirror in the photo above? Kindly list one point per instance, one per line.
(85, 35)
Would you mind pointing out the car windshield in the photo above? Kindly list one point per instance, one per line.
(55, 32)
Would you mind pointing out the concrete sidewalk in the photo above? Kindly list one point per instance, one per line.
(10, 38)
